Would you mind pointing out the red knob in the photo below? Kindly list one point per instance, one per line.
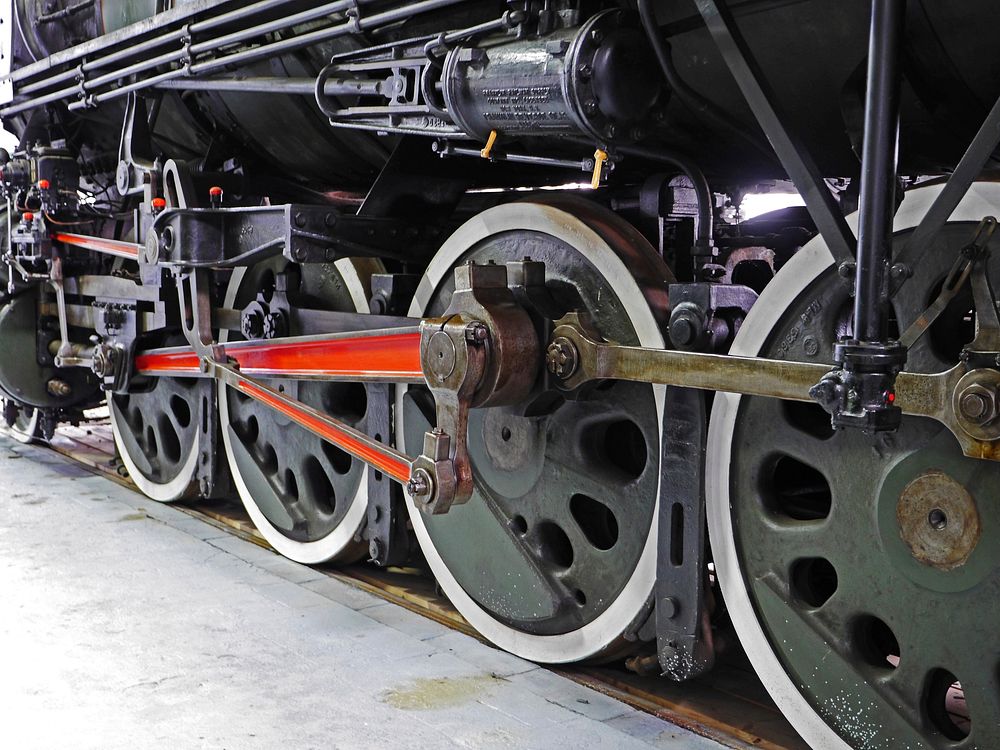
(215, 191)
(44, 184)
(158, 204)
(28, 216)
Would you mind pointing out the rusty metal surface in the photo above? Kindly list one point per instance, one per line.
(938, 520)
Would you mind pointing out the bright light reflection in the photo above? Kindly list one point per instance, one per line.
(755, 204)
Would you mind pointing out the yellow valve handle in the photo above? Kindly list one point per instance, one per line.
(490, 142)
(600, 156)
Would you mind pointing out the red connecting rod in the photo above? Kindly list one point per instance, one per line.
(392, 356)
(110, 247)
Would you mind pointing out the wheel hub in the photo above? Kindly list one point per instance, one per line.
(938, 520)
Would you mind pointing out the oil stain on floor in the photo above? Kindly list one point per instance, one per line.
(427, 693)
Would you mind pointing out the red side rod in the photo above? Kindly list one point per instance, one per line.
(100, 244)
(392, 356)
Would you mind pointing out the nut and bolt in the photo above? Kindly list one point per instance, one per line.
(252, 325)
(561, 358)
(58, 388)
(476, 333)
(979, 404)
(419, 485)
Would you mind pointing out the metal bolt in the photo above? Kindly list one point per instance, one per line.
(252, 325)
(683, 331)
(590, 106)
(476, 333)
(585, 72)
(300, 219)
(561, 357)
(58, 388)
(419, 485)
(375, 550)
(597, 36)
(974, 406)
(979, 404)
(670, 607)
(900, 271)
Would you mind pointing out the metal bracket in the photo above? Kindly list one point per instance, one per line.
(135, 151)
(483, 352)
(683, 632)
(232, 237)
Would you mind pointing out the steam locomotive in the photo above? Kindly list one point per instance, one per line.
(469, 282)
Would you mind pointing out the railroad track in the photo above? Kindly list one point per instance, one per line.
(728, 705)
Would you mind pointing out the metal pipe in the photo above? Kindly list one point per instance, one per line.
(277, 25)
(177, 55)
(244, 57)
(878, 170)
(275, 85)
(706, 205)
(321, 35)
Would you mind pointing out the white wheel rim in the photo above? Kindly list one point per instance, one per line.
(605, 630)
(163, 492)
(343, 536)
(30, 433)
(811, 261)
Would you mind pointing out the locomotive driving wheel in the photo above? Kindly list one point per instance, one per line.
(157, 432)
(25, 427)
(553, 556)
(862, 573)
(307, 497)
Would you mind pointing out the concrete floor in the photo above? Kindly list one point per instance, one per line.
(129, 624)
